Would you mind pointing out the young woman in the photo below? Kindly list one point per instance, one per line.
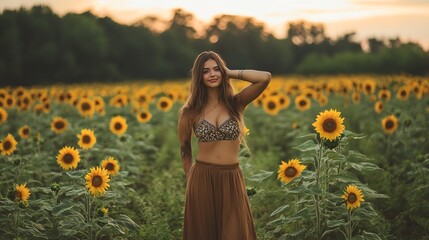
(216, 205)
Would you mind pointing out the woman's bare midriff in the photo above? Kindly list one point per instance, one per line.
(219, 152)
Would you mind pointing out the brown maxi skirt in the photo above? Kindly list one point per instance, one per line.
(217, 206)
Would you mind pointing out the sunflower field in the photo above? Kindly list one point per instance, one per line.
(341, 157)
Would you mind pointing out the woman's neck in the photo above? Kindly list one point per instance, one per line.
(213, 96)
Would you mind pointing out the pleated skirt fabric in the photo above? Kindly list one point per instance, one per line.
(217, 206)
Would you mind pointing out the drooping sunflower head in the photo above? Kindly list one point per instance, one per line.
(24, 131)
(59, 125)
(111, 165)
(3, 115)
(8, 145)
(329, 124)
(164, 104)
(389, 124)
(118, 125)
(353, 197)
(271, 105)
(290, 170)
(68, 158)
(87, 139)
(144, 116)
(302, 102)
(22, 192)
(97, 181)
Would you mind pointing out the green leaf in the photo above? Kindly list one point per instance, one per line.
(76, 192)
(77, 173)
(62, 207)
(371, 236)
(364, 166)
(335, 223)
(258, 177)
(309, 145)
(279, 209)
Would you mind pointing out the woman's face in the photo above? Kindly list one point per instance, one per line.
(212, 76)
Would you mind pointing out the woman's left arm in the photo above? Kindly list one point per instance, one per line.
(259, 81)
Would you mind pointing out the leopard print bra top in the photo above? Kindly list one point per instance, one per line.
(207, 132)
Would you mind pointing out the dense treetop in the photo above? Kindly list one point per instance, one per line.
(38, 46)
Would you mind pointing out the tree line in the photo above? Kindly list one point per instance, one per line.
(38, 46)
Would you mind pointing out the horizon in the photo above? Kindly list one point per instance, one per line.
(382, 19)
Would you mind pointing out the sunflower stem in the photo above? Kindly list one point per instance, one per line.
(349, 225)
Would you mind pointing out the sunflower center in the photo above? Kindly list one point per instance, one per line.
(110, 166)
(143, 115)
(389, 124)
(19, 194)
(59, 125)
(1, 117)
(86, 139)
(142, 98)
(329, 125)
(290, 171)
(351, 198)
(368, 88)
(403, 93)
(26, 101)
(282, 100)
(118, 126)
(271, 105)
(383, 96)
(68, 158)
(7, 145)
(97, 181)
(26, 131)
(164, 104)
(302, 103)
(86, 106)
(9, 101)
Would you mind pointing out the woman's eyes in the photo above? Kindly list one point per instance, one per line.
(214, 69)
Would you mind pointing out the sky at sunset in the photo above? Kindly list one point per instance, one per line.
(406, 19)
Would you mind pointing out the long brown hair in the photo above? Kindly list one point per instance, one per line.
(198, 97)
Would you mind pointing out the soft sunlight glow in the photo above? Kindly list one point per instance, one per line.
(274, 13)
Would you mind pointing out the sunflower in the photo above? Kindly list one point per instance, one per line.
(59, 125)
(87, 139)
(271, 105)
(164, 104)
(302, 102)
(353, 197)
(99, 103)
(329, 124)
(403, 93)
(290, 170)
(384, 95)
(284, 101)
(118, 125)
(24, 131)
(390, 124)
(111, 165)
(22, 192)
(86, 107)
(68, 158)
(144, 116)
(3, 115)
(8, 145)
(379, 105)
(368, 87)
(97, 180)
(322, 99)
(356, 97)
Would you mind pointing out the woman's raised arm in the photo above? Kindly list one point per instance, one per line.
(259, 81)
